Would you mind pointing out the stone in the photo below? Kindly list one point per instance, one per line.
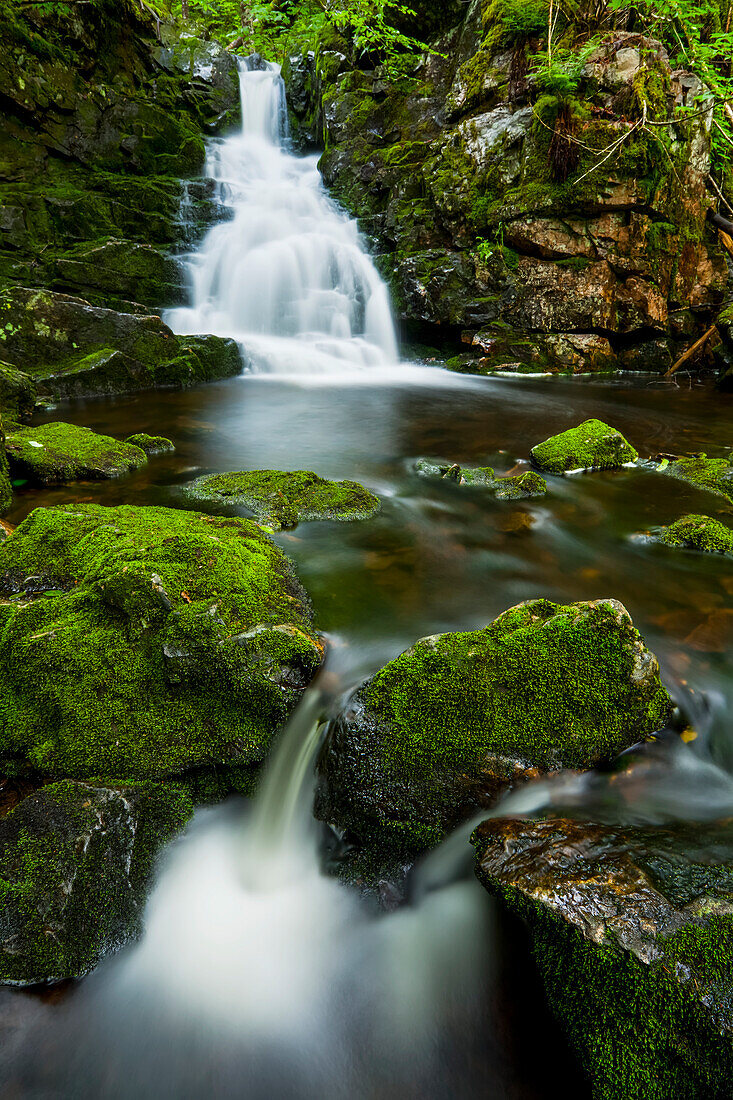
(632, 930)
(698, 533)
(122, 271)
(712, 474)
(17, 394)
(145, 643)
(593, 445)
(151, 444)
(75, 863)
(54, 453)
(448, 726)
(529, 484)
(280, 499)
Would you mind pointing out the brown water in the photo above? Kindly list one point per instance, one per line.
(438, 557)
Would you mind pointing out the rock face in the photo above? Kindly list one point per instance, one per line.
(73, 349)
(459, 718)
(142, 643)
(698, 533)
(57, 452)
(529, 484)
(633, 933)
(75, 861)
(103, 120)
(279, 499)
(481, 231)
(593, 445)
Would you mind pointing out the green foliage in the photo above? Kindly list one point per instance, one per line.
(512, 22)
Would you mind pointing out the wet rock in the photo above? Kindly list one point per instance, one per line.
(713, 474)
(58, 452)
(632, 929)
(593, 445)
(281, 500)
(122, 271)
(161, 641)
(71, 348)
(6, 489)
(459, 718)
(698, 533)
(151, 444)
(75, 863)
(17, 394)
(529, 484)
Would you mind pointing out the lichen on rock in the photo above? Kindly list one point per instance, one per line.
(75, 862)
(632, 930)
(143, 643)
(592, 445)
(459, 718)
(57, 452)
(281, 499)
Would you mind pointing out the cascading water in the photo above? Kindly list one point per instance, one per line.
(287, 276)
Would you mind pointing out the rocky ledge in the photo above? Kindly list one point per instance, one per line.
(632, 930)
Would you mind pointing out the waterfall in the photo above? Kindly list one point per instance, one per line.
(287, 275)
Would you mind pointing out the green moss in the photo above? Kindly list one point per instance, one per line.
(699, 533)
(75, 862)
(58, 452)
(17, 393)
(6, 489)
(279, 499)
(169, 641)
(151, 444)
(456, 719)
(593, 445)
(714, 474)
(529, 484)
(524, 485)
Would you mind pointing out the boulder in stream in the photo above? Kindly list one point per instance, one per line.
(519, 487)
(58, 452)
(142, 643)
(449, 725)
(151, 444)
(281, 500)
(593, 445)
(713, 474)
(632, 929)
(698, 533)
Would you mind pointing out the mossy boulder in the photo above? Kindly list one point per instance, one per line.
(73, 349)
(58, 452)
(713, 474)
(698, 533)
(632, 929)
(17, 394)
(593, 445)
(75, 863)
(151, 444)
(459, 718)
(6, 489)
(122, 270)
(142, 643)
(519, 487)
(279, 499)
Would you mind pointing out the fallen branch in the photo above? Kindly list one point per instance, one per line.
(720, 222)
(691, 352)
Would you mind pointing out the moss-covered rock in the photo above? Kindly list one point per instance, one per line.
(632, 931)
(593, 445)
(73, 349)
(698, 533)
(459, 718)
(151, 444)
(279, 499)
(58, 452)
(519, 487)
(146, 642)
(75, 862)
(17, 394)
(121, 271)
(6, 489)
(713, 474)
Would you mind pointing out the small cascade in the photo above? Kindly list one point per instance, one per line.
(287, 276)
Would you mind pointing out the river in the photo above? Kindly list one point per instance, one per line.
(259, 975)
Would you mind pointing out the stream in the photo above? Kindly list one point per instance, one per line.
(260, 976)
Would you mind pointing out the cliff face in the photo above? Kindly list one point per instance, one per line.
(536, 227)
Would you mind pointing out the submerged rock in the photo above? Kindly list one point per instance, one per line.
(459, 718)
(151, 444)
(144, 642)
(58, 452)
(593, 445)
(72, 348)
(698, 533)
(713, 474)
(633, 933)
(280, 499)
(529, 484)
(75, 862)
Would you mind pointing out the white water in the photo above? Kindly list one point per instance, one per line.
(287, 276)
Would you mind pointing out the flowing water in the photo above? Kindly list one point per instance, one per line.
(259, 976)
